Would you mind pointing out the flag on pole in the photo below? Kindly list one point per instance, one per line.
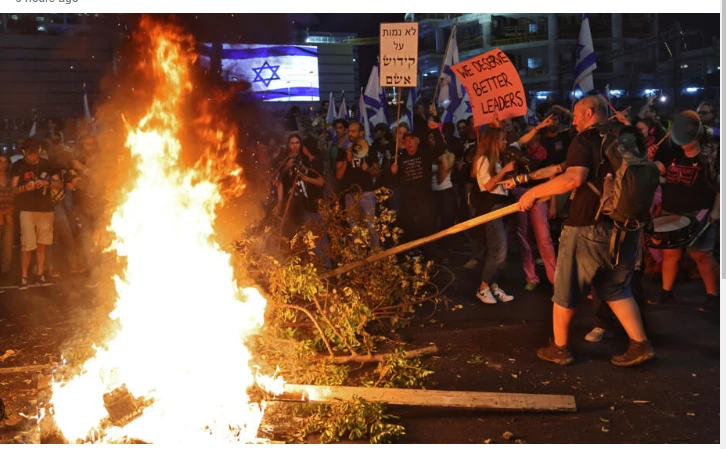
(363, 117)
(330, 118)
(375, 100)
(585, 59)
(410, 102)
(343, 109)
(450, 89)
(33, 128)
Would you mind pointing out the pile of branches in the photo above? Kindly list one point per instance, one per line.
(315, 327)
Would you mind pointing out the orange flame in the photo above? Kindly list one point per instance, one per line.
(183, 320)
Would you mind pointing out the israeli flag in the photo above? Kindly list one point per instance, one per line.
(375, 99)
(450, 89)
(275, 72)
(531, 117)
(459, 109)
(343, 109)
(585, 59)
(362, 117)
(331, 116)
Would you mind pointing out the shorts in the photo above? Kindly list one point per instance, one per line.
(583, 261)
(36, 228)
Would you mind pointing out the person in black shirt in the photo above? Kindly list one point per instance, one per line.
(290, 205)
(584, 256)
(311, 174)
(31, 182)
(690, 168)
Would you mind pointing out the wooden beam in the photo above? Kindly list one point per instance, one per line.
(431, 398)
(26, 368)
(381, 357)
(463, 226)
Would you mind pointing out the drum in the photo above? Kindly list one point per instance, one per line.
(671, 231)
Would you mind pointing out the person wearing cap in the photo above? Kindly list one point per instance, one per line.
(414, 169)
(31, 183)
(690, 167)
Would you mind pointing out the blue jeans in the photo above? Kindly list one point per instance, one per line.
(496, 249)
(367, 203)
(583, 261)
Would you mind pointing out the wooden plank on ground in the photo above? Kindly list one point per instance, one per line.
(432, 398)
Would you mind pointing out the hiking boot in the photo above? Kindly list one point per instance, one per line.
(486, 296)
(500, 295)
(530, 286)
(637, 352)
(471, 264)
(42, 280)
(556, 354)
(23, 284)
(597, 334)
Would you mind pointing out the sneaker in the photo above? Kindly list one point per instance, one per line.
(712, 304)
(556, 354)
(637, 352)
(486, 296)
(500, 295)
(471, 264)
(597, 334)
(23, 284)
(530, 286)
(42, 280)
(666, 297)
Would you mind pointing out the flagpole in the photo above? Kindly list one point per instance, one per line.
(443, 62)
(398, 123)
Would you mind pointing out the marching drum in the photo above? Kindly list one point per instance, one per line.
(671, 231)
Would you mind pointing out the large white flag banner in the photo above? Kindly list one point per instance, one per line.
(275, 72)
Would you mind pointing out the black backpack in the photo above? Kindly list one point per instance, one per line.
(628, 192)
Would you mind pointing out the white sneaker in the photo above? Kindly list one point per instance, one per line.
(500, 295)
(471, 264)
(486, 296)
(597, 334)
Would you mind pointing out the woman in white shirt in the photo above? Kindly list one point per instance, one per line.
(488, 172)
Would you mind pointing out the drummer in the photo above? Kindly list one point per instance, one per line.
(690, 167)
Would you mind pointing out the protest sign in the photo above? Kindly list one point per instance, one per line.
(399, 54)
(493, 85)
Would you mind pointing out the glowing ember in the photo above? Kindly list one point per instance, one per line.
(183, 319)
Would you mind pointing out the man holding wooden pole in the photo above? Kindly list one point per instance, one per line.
(584, 254)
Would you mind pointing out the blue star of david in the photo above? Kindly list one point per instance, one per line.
(266, 81)
(468, 106)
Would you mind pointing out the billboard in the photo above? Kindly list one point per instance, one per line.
(275, 72)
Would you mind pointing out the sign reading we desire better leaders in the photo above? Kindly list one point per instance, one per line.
(493, 85)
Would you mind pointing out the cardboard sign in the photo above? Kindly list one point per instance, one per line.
(493, 85)
(399, 54)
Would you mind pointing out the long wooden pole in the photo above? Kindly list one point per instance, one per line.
(398, 123)
(668, 134)
(431, 398)
(463, 226)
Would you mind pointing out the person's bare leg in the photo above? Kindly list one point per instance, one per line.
(670, 267)
(708, 270)
(561, 319)
(25, 262)
(41, 259)
(628, 313)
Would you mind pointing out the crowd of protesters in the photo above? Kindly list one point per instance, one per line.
(448, 173)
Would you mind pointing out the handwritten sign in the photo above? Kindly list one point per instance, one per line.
(493, 85)
(399, 54)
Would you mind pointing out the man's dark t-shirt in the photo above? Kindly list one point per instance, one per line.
(414, 172)
(38, 200)
(689, 186)
(354, 173)
(556, 148)
(584, 151)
